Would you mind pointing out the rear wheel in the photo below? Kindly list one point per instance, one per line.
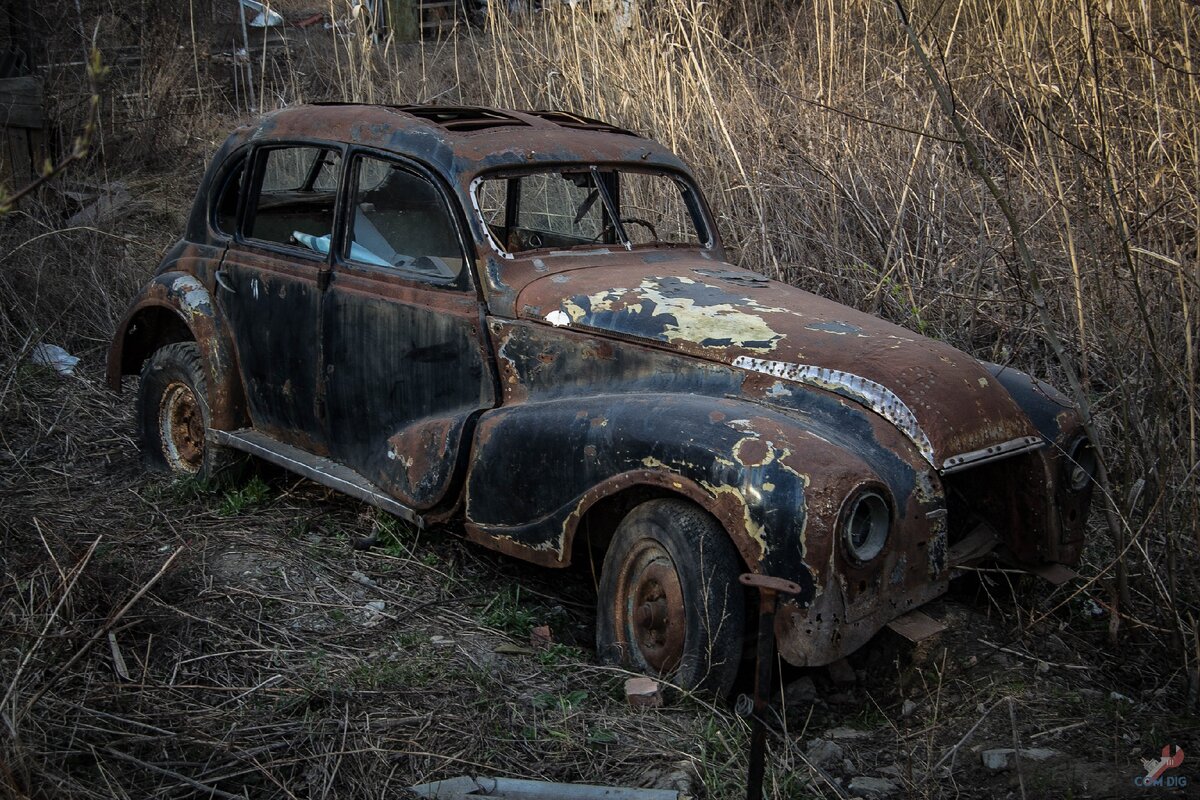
(669, 603)
(174, 417)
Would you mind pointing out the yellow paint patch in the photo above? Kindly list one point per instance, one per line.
(753, 529)
(753, 452)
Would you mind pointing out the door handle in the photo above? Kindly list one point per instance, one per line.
(223, 281)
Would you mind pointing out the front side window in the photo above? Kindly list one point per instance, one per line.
(588, 207)
(400, 220)
(294, 197)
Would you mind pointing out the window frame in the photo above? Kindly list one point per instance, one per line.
(252, 190)
(235, 166)
(690, 195)
(454, 215)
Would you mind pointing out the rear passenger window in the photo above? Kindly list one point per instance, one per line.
(400, 220)
(293, 203)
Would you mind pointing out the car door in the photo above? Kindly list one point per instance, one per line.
(269, 287)
(406, 363)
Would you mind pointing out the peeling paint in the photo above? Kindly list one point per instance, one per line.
(836, 328)
(753, 452)
(193, 297)
(679, 309)
(753, 529)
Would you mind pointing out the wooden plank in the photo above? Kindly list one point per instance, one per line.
(916, 626)
(974, 546)
(1058, 574)
(21, 103)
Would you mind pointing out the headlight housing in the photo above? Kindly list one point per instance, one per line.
(1080, 466)
(866, 520)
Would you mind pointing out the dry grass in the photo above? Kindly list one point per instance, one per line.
(161, 641)
(829, 165)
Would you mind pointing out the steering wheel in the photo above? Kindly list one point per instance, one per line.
(634, 220)
(643, 222)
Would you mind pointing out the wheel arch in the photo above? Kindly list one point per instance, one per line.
(590, 528)
(150, 327)
(176, 307)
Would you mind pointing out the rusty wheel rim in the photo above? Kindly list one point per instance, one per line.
(181, 428)
(651, 615)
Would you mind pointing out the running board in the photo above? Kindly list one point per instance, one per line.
(316, 468)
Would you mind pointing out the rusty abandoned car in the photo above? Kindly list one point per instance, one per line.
(523, 324)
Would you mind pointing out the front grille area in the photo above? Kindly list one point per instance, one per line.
(1016, 497)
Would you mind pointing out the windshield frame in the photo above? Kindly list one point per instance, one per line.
(689, 194)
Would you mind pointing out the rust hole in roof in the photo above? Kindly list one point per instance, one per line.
(568, 120)
(462, 118)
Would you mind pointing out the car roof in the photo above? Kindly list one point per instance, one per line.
(463, 141)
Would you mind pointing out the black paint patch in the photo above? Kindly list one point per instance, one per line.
(539, 453)
(403, 380)
(739, 277)
(551, 362)
(1040, 401)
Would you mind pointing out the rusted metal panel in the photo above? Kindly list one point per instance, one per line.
(406, 371)
(944, 401)
(777, 482)
(916, 626)
(541, 384)
(179, 293)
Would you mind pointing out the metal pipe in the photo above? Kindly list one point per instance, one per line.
(768, 590)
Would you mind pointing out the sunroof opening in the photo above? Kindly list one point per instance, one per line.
(462, 118)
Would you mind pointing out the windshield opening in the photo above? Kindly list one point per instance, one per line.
(589, 206)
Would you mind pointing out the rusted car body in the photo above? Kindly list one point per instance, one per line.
(542, 391)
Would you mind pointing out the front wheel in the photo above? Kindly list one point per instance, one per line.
(669, 602)
(174, 417)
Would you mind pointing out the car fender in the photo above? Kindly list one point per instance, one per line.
(769, 479)
(176, 306)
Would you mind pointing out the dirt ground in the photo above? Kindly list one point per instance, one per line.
(160, 639)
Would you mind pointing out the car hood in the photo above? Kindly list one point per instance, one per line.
(944, 401)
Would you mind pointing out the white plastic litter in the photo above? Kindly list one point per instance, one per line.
(53, 356)
(266, 18)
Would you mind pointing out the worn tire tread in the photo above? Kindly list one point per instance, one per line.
(221, 464)
(710, 662)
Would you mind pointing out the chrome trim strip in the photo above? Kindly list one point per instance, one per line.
(875, 396)
(315, 468)
(1022, 444)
